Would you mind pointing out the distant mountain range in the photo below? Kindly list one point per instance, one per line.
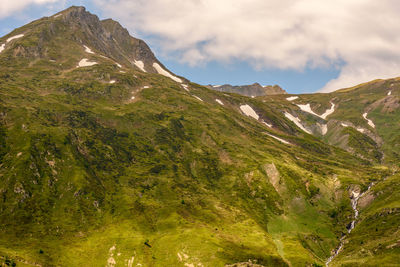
(251, 90)
(107, 158)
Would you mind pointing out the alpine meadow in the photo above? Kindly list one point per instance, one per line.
(108, 158)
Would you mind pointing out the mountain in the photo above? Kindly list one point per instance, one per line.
(252, 90)
(105, 161)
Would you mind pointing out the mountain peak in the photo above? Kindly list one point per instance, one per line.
(81, 31)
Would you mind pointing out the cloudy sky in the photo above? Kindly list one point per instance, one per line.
(302, 45)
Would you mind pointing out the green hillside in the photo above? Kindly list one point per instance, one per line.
(108, 165)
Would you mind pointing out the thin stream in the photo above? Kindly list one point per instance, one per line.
(354, 202)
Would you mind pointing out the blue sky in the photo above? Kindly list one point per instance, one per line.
(302, 45)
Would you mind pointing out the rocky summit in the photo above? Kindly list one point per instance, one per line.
(252, 90)
(107, 158)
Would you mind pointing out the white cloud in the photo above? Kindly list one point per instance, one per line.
(285, 34)
(7, 7)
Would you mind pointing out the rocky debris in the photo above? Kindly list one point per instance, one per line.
(250, 263)
(252, 90)
(389, 104)
(394, 245)
(366, 200)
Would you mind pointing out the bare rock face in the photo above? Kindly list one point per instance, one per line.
(109, 37)
(252, 90)
(106, 37)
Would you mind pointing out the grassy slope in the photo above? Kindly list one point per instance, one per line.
(376, 239)
(84, 168)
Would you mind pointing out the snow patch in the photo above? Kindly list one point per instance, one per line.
(266, 123)
(216, 86)
(165, 73)
(2, 47)
(146, 87)
(198, 98)
(140, 65)
(296, 121)
(186, 87)
(219, 102)
(307, 108)
(14, 37)
(132, 98)
(328, 111)
(361, 130)
(389, 93)
(119, 65)
(88, 50)
(291, 98)
(324, 128)
(345, 124)
(86, 63)
(56, 16)
(249, 111)
(112, 81)
(279, 139)
(370, 123)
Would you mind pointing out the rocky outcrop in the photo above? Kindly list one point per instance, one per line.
(106, 38)
(252, 90)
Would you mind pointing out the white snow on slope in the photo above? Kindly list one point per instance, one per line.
(86, 63)
(140, 65)
(161, 71)
(328, 111)
(112, 81)
(345, 124)
(119, 65)
(2, 47)
(186, 87)
(324, 128)
(14, 37)
(198, 98)
(370, 123)
(246, 109)
(296, 121)
(389, 93)
(361, 130)
(279, 139)
(291, 98)
(88, 50)
(219, 102)
(269, 125)
(307, 108)
(216, 86)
